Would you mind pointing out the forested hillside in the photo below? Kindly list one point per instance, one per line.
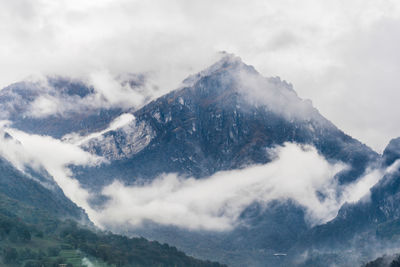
(33, 237)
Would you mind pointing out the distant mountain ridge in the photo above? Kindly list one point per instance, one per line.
(32, 106)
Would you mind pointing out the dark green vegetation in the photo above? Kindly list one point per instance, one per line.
(33, 237)
(19, 186)
(38, 227)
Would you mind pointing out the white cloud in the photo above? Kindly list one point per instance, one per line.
(46, 105)
(394, 167)
(117, 123)
(337, 53)
(87, 262)
(124, 91)
(360, 189)
(113, 93)
(215, 203)
(53, 155)
(277, 95)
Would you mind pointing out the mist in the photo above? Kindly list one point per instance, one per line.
(215, 203)
(117, 123)
(275, 95)
(25, 150)
(297, 172)
(102, 91)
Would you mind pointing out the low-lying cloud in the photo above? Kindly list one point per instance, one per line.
(36, 151)
(117, 123)
(106, 91)
(215, 203)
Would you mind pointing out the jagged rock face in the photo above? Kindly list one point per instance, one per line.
(385, 195)
(121, 143)
(218, 121)
(392, 152)
(374, 217)
(18, 100)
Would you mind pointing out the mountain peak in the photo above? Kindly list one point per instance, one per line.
(228, 62)
(231, 80)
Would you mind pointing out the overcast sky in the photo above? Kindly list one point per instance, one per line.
(341, 54)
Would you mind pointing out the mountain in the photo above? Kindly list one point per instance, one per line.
(37, 189)
(381, 206)
(40, 226)
(38, 223)
(385, 261)
(35, 236)
(391, 152)
(54, 106)
(367, 228)
(223, 118)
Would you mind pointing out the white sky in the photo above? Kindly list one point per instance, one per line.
(341, 54)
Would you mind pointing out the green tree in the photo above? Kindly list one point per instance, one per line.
(10, 255)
